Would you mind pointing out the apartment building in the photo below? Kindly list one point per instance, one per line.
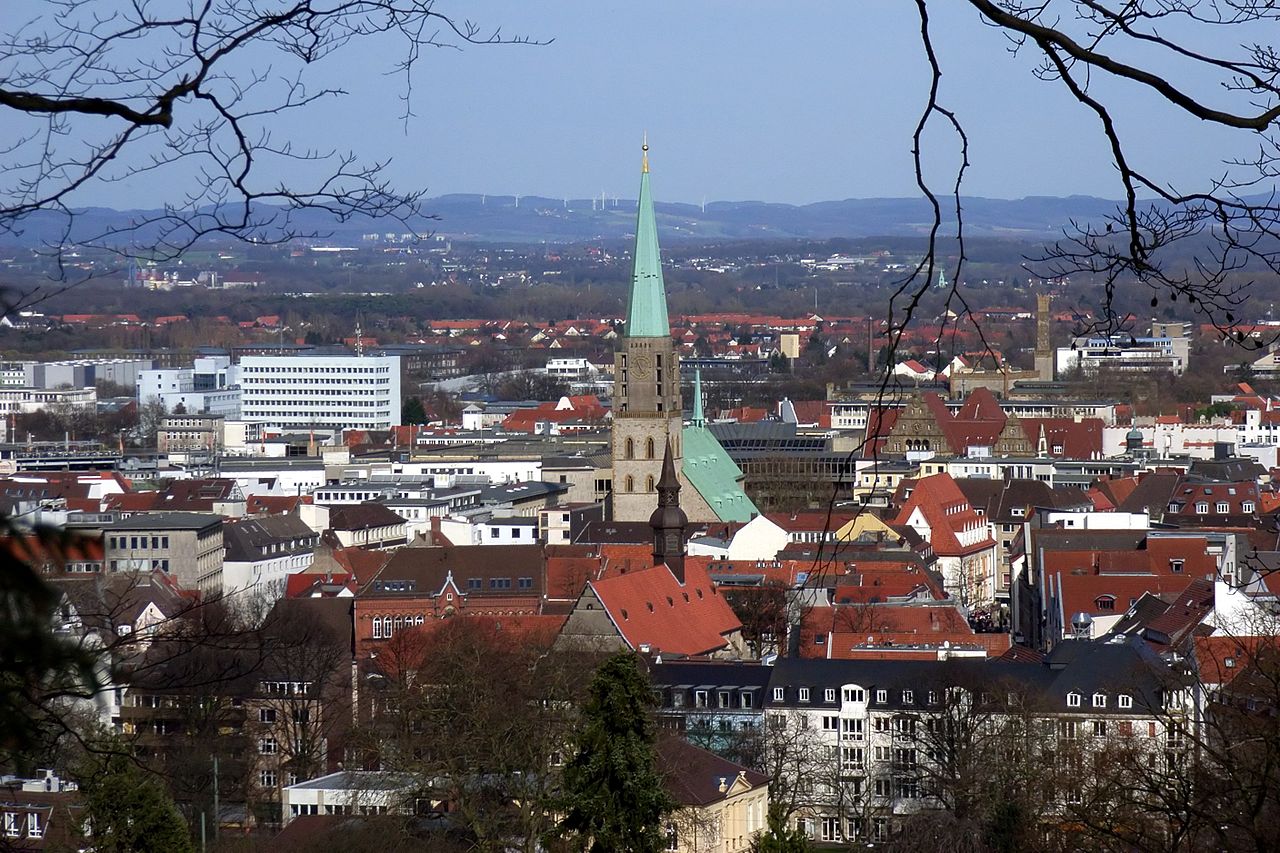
(186, 545)
(865, 739)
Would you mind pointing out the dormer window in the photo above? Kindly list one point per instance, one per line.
(1099, 700)
(1247, 507)
(804, 694)
(1202, 508)
(1105, 602)
(1073, 700)
(1175, 566)
(1125, 701)
(1223, 507)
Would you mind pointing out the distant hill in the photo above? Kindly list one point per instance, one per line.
(536, 219)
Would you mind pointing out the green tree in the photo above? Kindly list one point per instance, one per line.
(614, 796)
(129, 812)
(412, 411)
(778, 837)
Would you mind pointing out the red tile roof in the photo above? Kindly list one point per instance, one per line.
(651, 607)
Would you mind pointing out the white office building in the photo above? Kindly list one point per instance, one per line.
(334, 392)
(208, 387)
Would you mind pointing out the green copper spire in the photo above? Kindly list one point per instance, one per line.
(698, 419)
(647, 304)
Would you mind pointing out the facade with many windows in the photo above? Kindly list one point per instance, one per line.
(859, 745)
(322, 392)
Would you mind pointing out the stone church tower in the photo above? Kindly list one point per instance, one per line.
(647, 410)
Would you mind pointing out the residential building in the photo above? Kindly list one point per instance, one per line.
(186, 545)
(722, 805)
(864, 736)
(262, 552)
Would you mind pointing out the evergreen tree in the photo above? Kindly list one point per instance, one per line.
(129, 812)
(778, 837)
(614, 796)
(412, 411)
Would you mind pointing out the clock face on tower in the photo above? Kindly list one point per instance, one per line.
(641, 365)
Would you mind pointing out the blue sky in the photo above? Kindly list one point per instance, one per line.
(793, 102)
(786, 102)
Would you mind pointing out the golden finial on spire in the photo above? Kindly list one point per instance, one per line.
(644, 146)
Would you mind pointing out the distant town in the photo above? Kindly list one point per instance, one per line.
(350, 530)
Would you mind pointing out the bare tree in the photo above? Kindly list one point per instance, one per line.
(196, 96)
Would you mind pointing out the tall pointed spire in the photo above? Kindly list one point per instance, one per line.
(647, 303)
(698, 418)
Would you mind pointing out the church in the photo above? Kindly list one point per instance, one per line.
(648, 408)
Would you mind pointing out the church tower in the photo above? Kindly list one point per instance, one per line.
(647, 411)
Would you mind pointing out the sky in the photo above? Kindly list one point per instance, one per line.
(792, 102)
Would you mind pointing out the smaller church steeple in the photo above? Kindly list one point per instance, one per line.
(669, 520)
(698, 418)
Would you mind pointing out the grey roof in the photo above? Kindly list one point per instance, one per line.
(166, 521)
(1126, 667)
(247, 539)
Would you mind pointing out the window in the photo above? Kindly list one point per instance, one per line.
(1073, 700)
(1202, 508)
(1099, 728)
(673, 838)
(377, 628)
(630, 451)
(1105, 602)
(301, 715)
(1099, 700)
(1125, 701)
(1067, 729)
(1247, 507)
(700, 698)
(747, 700)
(266, 715)
(908, 697)
(851, 729)
(882, 696)
(829, 695)
(475, 583)
(804, 694)
(779, 694)
(34, 828)
(268, 746)
(831, 829)
(11, 824)
(267, 778)
(854, 694)
(852, 758)
(830, 723)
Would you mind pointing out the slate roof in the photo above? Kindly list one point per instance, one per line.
(1077, 666)
(252, 539)
(693, 776)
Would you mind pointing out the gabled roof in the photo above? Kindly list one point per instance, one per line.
(650, 607)
(696, 777)
(714, 475)
(364, 516)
